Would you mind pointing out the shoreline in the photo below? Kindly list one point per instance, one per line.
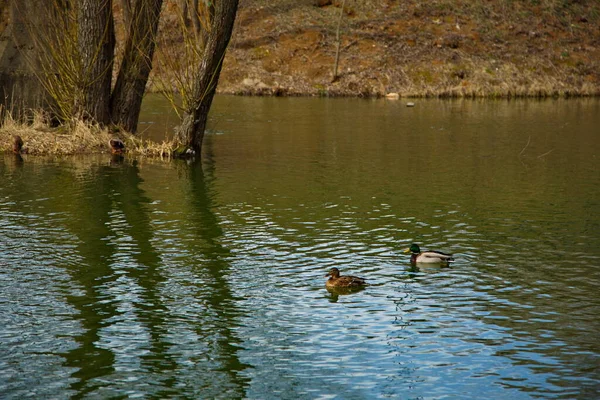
(458, 93)
(41, 140)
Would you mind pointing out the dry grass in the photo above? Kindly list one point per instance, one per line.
(76, 138)
(477, 78)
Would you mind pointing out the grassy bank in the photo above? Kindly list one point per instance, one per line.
(77, 138)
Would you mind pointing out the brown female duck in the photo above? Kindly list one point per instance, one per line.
(347, 281)
(116, 146)
(17, 144)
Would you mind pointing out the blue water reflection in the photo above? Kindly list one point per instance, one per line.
(141, 278)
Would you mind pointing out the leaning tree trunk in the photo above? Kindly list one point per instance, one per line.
(126, 100)
(96, 42)
(126, 11)
(193, 124)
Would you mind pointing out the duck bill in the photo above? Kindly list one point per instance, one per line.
(406, 251)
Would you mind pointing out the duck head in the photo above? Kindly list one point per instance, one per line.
(334, 273)
(414, 249)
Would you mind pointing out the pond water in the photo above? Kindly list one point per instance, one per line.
(163, 279)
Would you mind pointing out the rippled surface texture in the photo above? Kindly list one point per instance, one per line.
(166, 280)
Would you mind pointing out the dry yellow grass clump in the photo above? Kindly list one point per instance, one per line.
(75, 138)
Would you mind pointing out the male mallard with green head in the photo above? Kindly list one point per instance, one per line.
(427, 257)
(346, 281)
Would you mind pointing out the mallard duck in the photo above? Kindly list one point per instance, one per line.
(17, 144)
(347, 281)
(427, 257)
(116, 146)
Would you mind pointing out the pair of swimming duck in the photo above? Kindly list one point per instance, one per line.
(417, 257)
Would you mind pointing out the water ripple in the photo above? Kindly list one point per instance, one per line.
(163, 280)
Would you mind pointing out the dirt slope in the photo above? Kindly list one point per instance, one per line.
(416, 48)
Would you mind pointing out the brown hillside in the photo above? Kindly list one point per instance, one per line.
(416, 48)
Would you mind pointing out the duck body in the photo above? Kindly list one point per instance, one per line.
(428, 257)
(116, 146)
(343, 281)
(17, 144)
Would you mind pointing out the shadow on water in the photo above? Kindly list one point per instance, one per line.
(217, 295)
(335, 293)
(121, 205)
(121, 276)
(126, 332)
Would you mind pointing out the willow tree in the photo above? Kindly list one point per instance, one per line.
(74, 57)
(196, 104)
(95, 45)
(126, 99)
(49, 42)
(19, 87)
(75, 44)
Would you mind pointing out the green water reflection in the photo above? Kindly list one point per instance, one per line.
(162, 279)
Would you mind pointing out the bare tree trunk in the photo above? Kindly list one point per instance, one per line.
(193, 124)
(96, 41)
(126, 100)
(126, 7)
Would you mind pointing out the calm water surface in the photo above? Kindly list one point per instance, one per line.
(160, 279)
